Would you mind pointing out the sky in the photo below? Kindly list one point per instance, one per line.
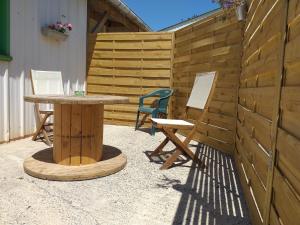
(159, 14)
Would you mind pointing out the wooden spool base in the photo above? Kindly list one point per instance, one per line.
(41, 165)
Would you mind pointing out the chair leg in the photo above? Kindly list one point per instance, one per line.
(169, 162)
(182, 147)
(47, 140)
(153, 128)
(41, 129)
(160, 147)
(40, 126)
(137, 120)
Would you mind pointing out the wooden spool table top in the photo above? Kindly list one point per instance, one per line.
(83, 100)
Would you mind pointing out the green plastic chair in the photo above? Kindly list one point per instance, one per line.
(160, 108)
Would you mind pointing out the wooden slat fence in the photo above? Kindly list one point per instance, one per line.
(128, 64)
(213, 44)
(269, 90)
(285, 195)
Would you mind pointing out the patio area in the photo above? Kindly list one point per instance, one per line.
(139, 194)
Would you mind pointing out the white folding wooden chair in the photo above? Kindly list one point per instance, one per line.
(199, 99)
(45, 83)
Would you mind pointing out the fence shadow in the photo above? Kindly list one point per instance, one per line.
(211, 196)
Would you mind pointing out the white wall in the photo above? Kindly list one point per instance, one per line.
(30, 49)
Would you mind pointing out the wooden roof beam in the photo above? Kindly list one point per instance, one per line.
(102, 5)
(99, 25)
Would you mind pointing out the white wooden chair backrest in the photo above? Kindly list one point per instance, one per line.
(201, 90)
(47, 82)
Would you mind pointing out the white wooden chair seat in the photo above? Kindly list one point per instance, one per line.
(176, 124)
(50, 111)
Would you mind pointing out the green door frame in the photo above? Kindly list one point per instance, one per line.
(5, 28)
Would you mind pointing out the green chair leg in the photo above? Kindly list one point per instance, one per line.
(137, 120)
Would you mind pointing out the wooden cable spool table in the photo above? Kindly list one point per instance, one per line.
(78, 151)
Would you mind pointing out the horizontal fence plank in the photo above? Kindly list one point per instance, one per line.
(257, 126)
(292, 73)
(101, 89)
(290, 110)
(118, 63)
(140, 54)
(285, 200)
(254, 153)
(259, 100)
(164, 44)
(248, 192)
(133, 36)
(130, 72)
(129, 81)
(288, 157)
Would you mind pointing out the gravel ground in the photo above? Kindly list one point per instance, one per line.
(141, 194)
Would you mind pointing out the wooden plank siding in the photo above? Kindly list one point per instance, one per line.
(213, 44)
(128, 64)
(256, 101)
(268, 138)
(286, 181)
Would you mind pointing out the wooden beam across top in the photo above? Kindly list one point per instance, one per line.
(99, 25)
(114, 14)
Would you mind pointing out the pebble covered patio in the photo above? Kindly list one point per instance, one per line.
(139, 194)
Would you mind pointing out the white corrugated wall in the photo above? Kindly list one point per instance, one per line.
(30, 49)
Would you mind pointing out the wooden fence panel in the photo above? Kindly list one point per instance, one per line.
(128, 64)
(261, 71)
(270, 89)
(213, 44)
(286, 183)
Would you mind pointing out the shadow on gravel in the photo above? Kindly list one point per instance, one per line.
(211, 196)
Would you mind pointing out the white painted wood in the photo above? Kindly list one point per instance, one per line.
(47, 82)
(201, 90)
(4, 103)
(172, 122)
(31, 50)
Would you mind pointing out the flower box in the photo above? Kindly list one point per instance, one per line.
(59, 36)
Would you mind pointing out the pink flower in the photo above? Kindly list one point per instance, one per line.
(60, 27)
(69, 26)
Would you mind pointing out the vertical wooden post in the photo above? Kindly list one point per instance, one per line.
(75, 135)
(170, 109)
(57, 133)
(237, 91)
(87, 123)
(65, 134)
(276, 112)
(97, 131)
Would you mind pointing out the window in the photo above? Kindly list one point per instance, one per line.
(4, 31)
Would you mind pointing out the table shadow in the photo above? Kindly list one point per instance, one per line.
(46, 155)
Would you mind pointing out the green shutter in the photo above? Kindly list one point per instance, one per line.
(4, 30)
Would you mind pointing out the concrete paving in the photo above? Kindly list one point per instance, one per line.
(141, 194)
